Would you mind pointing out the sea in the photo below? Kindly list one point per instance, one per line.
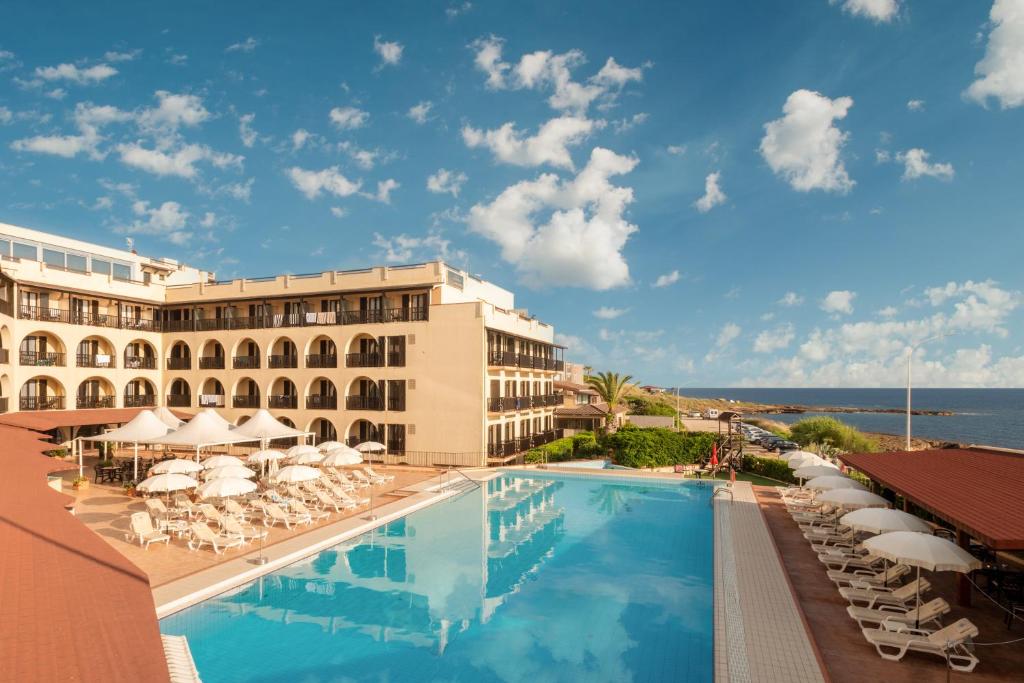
(992, 417)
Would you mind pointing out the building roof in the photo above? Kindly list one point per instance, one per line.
(73, 608)
(582, 410)
(574, 387)
(975, 489)
(45, 420)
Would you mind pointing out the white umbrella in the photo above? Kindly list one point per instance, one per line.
(226, 487)
(852, 499)
(222, 461)
(218, 418)
(294, 474)
(308, 458)
(167, 482)
(300, 449)
(176, 467)
(233, 471)
(168, 418)
(881, 521)
(370, 447)
(922, 550)
(341, 457)
(833, 482)
(795, 462)
(812, 471)
(330, 446)
(265, 456)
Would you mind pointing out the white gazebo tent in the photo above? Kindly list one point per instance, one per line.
(144, 426)
(203, 430)
(167, 417)
(217, 417)
(265, 427)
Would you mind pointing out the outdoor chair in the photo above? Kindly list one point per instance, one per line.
(931, 612)
(353, 499)
(378, 478)
(300, 508)
(904, 596)
(952, 643)
(246, 532)
(845, 562)
(204, 535)
(235, 509)
(327, 501)
(273, 514)
(889, 577)
(208, 513)
(361, 479)
(184, 505)
(142, 529)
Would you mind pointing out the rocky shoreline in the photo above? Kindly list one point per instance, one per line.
(778, 410)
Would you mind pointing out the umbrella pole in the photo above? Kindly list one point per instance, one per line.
(917, 614)
(135, 476)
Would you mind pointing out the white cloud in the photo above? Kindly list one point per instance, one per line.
(167, 221)
(915, 105)
(804, 146)
(790, 299)
(177, 59)
(89, 119)
(245, 129)
(390, 52)
(338, 212)
(457, 9)
(580, 238)
(614, 75)
(299, 139)
(488, 60)
(713, 194)
(384, 190)
(549, 146)
(6, 116)
(247, 45)
(70, 72)
(446, 182)
(667, 279)
(420, 112)
(330, 180)
(208, 220)
(676, 150)
(241, 191)
(56, 93)
(1001, 72)
(128, 56)
(916, 165)
(407, 248)
(888, 311)
(180, 162)
(726, 336)
(769, 341)
(839, 302)
(173, 111)
(610, 313)
(629, 123)
(876, 10)
(349, 118)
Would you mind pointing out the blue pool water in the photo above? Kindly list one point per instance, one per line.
(532, 577)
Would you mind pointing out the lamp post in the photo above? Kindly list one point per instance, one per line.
(910, 362)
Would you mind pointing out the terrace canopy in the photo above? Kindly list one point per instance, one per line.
(203, 430)
(265, 427)
(144, 426)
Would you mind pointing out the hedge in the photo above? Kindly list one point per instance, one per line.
(772, 468)
(656, 447)
(582, 445)
(830, 431)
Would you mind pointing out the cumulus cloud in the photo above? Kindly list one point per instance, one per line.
(446, 182)
(564, 232)
(666, 279)
(790, 299)
(173, 111)
(839, 302)
(676, 150)
(330, 180)
(299, 139)
(803, 147)
(770, 341)
(1001, 72)
(89, 119)
(726, 336)
(245, 129)
(125, 56)
(713, 194)
(247, 45)
(915, 105)
(390, 53)
(349, 118)
(916, 165)
(610, 313)
(420, 112)
(549, 146)
(407, 248)
(384, 190)
(81, 76)
(179, 162)
(167, 221)
(877, 10)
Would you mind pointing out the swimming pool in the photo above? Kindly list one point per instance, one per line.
(531, 577)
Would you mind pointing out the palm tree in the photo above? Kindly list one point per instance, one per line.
(611, 387)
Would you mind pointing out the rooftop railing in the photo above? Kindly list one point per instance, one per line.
(139, 401)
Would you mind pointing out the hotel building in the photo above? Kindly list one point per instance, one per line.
(437, 363)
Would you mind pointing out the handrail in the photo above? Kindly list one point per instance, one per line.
(720, 489)
(446, 484)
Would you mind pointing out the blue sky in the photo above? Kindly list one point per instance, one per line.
(699, 193)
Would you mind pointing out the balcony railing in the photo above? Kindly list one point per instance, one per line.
(179, 363)
(364, 403)
(93, 360)
(396, 402)
(5, 356)
(245, 362)
(322, 360)
(283, 401)
(140, 362)
(503, 404)
(211, 362)
(245, 401)
(94, 402)
(211, 400)
(384, 315)
(318, 402)
(36, 358)
(396, 359)
(279, 361)
(522, 360)
(372, 359)
(3, 404)
(140, 401)
(60, 315)
(179, 400)
(523, 443)
(41, 403)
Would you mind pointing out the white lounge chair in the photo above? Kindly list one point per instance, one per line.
(275, 515)
(301, 509)
(204, 535)
(237, 510)
(246, 532)
(846, 562)
(339, 478)
(952, 643)
(184, 506)
(931, 613)
(888, 577)
(326, 501)
(903, 596)
(381, 478)
(353, 499)
(207, 512)
(361, 479)
(142, 530)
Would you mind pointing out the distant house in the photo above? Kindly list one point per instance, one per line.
(650, 388)
(582, 409)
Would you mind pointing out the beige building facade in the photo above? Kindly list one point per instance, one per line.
(437, 363)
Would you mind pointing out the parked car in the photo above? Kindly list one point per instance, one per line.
(788, 446)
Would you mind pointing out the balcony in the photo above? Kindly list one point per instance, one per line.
(179, 363)
(140, 362)
(501, 404)
(5, 356)
(396, 359)
(278, 361)
(318, 402)
(41, 403)
(523, 443)
(140, 401)
(396, 403)
(364, 360)
(289, 401)
(523, 360)
(3, 404)
(93, 360)
(364, 403)
(94, 402)
(41, 359)
(245, 401)
(245, 362)
(211, 362)
(211, 400)
(322, 360)
(179, 400)
(384, 315)
(59, 315)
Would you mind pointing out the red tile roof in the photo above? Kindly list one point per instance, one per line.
(72, 608)
(44, 420)
(975, 489)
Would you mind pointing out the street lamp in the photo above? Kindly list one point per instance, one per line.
(910, 360)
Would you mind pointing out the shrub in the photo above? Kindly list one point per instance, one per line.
(655, 447)
(57, 452)
(830, 431)
(639, 405)
(772, 468)
(585, 445)
(556, 451)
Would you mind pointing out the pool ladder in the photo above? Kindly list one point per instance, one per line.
(459, 484)
(720, 489)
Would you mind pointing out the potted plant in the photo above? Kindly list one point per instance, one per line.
(129, 488)
(80, 483)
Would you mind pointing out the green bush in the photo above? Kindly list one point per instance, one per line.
(655, 447)
(584, 445)
(772, 468)
(556, 451)
(57, 452)
(831, 432)
(639, 405)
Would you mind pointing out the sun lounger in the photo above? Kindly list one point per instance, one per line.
(246, 532)
(361, 479)
(273, 514)
(300, 494)
(353, 499)
(327, 501)
(888, 577)
(952, 643)
(142, 530)
(931, 613)
(845, 548)
(301, 509)
(382, 478)
(157, 509)
(235, 509)
(845, 562)
(206, 512)
(904, 596)
(183, 505)
(339, 477)
(204, 535)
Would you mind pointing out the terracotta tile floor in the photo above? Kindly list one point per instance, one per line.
(848, 656)
(106, 510)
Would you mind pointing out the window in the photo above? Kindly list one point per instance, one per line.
(77, 262)
(52, 257)
(122, 272)
(100, 266)
(5, 247)
(26, 251)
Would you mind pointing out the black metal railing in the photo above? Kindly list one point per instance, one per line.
(43, 359)
(179, 400)
(179, 363)
(502, 404)
(523, 443)
(371, 359)
(92, 360)
(364, 403)
(322, 360)
(140, 362)
(523, 360)
(94, 402)
(281, 361)
(321, 402)
(396, 402)
(396, 359)
(211, 400)
(283, 401)
(41, 403)
(60, 315)
(140, 401)
(211, 362)
(245, 401)
(245, 362)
